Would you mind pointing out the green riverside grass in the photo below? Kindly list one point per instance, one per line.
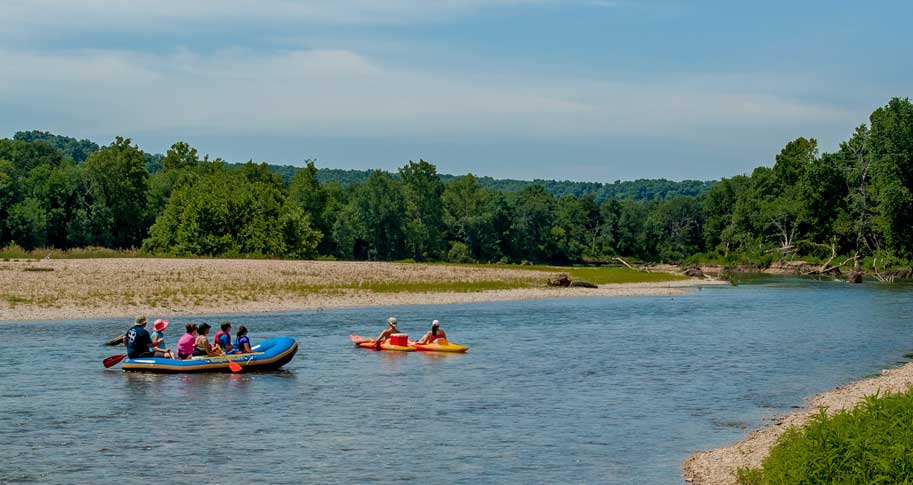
(871, 443)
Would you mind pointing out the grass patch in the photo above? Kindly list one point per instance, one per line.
(444, 286)
(872, 443)
(14, 251)
(600, 275)
(14, 300)
(605, 275)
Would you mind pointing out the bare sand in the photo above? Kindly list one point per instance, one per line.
(719, 467)
(123, 287)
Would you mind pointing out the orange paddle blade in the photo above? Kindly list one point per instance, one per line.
(232, 365)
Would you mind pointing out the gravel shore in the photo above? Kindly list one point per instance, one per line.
(122, 287)
(719, 467)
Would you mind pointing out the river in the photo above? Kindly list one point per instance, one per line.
(589, 390)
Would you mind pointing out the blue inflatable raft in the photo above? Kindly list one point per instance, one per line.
(268, 355)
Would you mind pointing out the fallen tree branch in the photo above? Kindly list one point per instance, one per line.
(626, 264)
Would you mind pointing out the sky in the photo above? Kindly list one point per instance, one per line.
(592, 90)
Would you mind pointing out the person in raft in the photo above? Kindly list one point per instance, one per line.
(186, 342)
(201, 347)
(137, 340)
(433, 334)
(242, 341)
(222, 339)
(158, 340)
(390, 330)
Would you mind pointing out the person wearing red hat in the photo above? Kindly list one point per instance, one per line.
(158, 339)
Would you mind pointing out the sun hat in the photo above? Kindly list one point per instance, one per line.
(140, 320)
(436, 323)
(391, 320)
(160, 325)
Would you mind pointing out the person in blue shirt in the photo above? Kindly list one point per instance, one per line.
(138, 341)
(223, 338)
(242, 342)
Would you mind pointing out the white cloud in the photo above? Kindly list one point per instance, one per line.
(340, 93)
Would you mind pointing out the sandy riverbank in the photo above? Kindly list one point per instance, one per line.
(718, 467)
(121, 287)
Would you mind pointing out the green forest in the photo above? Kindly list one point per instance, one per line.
(60, 192)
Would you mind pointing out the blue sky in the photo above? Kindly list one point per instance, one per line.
(595, 90)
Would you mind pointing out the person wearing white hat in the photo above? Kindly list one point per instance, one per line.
(390, 330)
(434, 334)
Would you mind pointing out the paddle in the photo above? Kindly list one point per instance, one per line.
(113, 360)
(232, 365)
(119, 340)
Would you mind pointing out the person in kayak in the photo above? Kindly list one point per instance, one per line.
(185, 343)
(158, 340)
(201, 347)
(222, 339)
(390, 330)
(242, 340)
(434, 334)
(137, 340)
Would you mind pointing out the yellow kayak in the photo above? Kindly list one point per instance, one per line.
(440, 345)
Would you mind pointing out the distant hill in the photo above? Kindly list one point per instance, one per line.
(641, 189)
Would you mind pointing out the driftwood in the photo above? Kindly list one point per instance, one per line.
(625, 263)
(564, 281)
(582, 284)
(694, 272)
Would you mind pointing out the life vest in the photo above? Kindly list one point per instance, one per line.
(218, 338)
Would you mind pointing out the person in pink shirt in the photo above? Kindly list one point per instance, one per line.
(186, 342)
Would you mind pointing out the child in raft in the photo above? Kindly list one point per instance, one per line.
(222, 339)
(434, 334)
(186, 342)
(158, 340)
(243, 343)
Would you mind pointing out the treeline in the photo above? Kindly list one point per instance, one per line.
(641, 189)
(60, 192)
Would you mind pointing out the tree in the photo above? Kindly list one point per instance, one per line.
(25, 156)
(71, 148)
(793, 160)
(424, 210)
(9, 195)
(675, 229)
(531, 230)
(27, 224)
(891, 148)
(118, 176)
(372, 225)
(309, 194)
(227, 213)
(468, 220)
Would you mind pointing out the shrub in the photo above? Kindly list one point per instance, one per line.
(459, 253)
(872, 443)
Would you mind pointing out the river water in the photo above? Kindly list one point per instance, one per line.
(590, 390)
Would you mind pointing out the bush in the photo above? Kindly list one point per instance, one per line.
(872, 443)
(459, 253)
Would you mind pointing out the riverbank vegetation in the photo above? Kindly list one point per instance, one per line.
(853, 206)
(871, 443)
